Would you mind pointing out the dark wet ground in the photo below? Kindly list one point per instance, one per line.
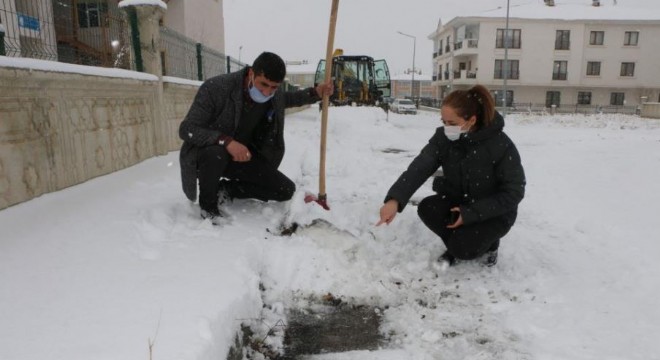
(332, 329)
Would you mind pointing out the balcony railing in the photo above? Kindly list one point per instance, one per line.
(465, 74)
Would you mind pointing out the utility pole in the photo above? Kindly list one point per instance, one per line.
(412, 82)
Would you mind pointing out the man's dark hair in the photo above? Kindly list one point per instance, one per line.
(270, 65)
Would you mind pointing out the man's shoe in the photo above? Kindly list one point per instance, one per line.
(490, 258)
(444, 262)
(216, 217)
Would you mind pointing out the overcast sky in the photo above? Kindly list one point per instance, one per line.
(298, 29)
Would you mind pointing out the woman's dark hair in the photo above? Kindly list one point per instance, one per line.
(475, 101)
(269, 65)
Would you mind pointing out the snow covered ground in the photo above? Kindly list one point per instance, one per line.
(103, 269)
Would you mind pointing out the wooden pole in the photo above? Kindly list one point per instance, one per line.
(326, 98)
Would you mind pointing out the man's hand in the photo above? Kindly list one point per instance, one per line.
(238, 151)
(388, 212)
(459, 221)
(325, 89)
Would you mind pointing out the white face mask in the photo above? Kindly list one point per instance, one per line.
(454, 132)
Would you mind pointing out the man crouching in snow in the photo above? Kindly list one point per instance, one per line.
(476, 201)
(234, 131)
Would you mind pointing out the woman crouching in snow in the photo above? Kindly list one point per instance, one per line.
(476, 200)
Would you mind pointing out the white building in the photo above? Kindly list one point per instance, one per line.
(96, 32)
(569, 54)
(200, 20)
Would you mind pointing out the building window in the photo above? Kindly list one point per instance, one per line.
(597, 38)
(498, 96)
(512, 71)
(563, 40)
(552, 98)
(627, 69)
(440, 48)
(617, 98)
(593, 68)
(560, 70)
(513, 39)
(90, 14)
(584, 97)
(631, 38)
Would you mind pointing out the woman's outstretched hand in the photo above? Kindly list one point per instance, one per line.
(388, 212)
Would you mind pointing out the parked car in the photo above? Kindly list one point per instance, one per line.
(403, 106)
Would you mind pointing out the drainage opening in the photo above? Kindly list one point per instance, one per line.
(327, 326)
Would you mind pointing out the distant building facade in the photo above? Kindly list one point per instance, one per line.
(424, 88)
(579, 62)
(300, 73)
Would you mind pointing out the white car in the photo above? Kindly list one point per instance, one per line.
(403, 106)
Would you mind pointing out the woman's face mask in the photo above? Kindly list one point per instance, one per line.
(453, 133)
(454, 124)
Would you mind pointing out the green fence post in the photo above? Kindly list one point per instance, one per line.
(2, 41)
(200, 70)
(135, 37)
(228, 64)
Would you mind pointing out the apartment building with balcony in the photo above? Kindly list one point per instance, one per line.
(567, 54)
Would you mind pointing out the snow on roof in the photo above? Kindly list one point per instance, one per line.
(125, 3)
(309, 68)
(572, 10)
(408, 77)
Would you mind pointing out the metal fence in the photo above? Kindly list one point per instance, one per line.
(184, 58)
(90, 32)
(535, 108)
(29, 29)
(96, 33)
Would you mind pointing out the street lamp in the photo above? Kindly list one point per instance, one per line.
(412, 82)
(239, 53)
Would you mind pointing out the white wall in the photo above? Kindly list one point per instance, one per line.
(201, 20)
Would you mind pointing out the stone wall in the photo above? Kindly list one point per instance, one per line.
(61, 129)
(650, 110)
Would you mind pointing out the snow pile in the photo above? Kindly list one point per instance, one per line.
(100, 269)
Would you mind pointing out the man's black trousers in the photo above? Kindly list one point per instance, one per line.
(467, 241)
(254, 179)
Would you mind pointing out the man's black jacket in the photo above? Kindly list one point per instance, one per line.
(217, 110)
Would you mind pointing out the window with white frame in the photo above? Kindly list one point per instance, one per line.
(631, 38)
(627, 69)
(617, 98)
(563, 40)
(593, 68)
(91, 13)
(552, 98)
(513, 39)
(512, 69)
(560, 70)
(597, 38)
(584, 98)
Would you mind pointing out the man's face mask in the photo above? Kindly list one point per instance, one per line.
(256, 95)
